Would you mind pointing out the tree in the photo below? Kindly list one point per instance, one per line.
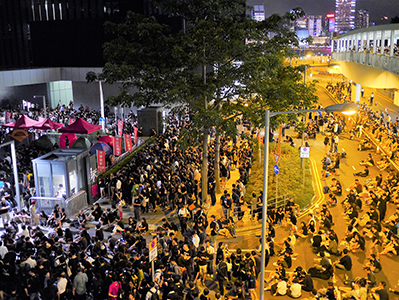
(395, 20)
(217, 63)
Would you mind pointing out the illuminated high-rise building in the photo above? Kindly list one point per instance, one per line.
(362, 18)
(345, 15)
(315, 25)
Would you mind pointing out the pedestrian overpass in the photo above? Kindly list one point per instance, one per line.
(369, 57)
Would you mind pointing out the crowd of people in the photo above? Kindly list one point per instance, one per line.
(55, 263)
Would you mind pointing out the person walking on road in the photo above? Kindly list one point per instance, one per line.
(362, 92)
(371, 99)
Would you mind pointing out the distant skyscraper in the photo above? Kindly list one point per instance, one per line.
(345, 15)
(301, 23)
(362, 18)
(258, 9)
(315, 25)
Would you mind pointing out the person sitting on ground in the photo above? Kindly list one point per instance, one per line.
(369, 161)
(303, 230)
(323, 269)
(279, 288)
(345, 262)
(332, 200)
(329, 293)
(336, 187)
(295, 290)
(365, 145)
(357, 243)
(364, 173)
(380, 291)
(374, 264)
(359, 291)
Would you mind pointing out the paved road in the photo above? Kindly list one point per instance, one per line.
(248, 235)
(349, 165)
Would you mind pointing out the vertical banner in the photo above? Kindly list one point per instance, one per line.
(101, 161)
(7, 117)
(71, 120)
(120, 127)
(135, 135)
(128, 142)
(117, 145)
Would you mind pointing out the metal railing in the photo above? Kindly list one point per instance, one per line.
(72, 205)
(376, 60)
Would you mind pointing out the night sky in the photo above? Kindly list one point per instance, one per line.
(377, 8)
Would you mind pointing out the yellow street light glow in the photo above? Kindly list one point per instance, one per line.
(349, 112)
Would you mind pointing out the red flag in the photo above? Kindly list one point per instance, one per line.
(117, 145)
(101, 161)
(120, 127)
(128, 142)
(135, 135)
(71, 120)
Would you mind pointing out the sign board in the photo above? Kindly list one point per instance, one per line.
(128, 142)
(101, 161)
(117, 145)
(305, 152)
(153, 248)
(276, 169)
(276, 157)
(120, 127)
(135, 129)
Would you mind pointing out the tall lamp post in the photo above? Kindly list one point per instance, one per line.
(44, 104)
(345, 108)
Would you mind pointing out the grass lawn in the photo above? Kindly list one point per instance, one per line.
(290, 178)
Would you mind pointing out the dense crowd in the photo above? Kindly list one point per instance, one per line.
(57, 264)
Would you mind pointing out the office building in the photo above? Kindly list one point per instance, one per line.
(362, 19)
(257, 11)
(345, 15)
(315, 25)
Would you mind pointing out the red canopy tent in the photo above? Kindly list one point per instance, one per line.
(24, 122)
(71, 137)
(80, 126)
(108, 139)
(47, 124)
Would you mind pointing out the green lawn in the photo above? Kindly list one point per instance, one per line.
(290, 178)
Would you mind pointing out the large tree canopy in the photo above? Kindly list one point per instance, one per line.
(219, 64)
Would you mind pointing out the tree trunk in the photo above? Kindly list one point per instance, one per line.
(216, 163)
(204, 170)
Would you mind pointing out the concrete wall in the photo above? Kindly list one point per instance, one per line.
(89, 94)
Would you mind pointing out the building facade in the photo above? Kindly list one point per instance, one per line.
(55, 33)
(345, 15)
(315, 25)
(362, 19)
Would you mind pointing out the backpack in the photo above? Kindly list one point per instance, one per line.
(217, 226)
(121, 292)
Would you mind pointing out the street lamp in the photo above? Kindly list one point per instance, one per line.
(44, 104)
(345, 108)
(102, 106)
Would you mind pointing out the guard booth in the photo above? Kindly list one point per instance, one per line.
(63, 177)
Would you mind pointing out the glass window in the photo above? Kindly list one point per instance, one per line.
(43, 172)
(73, 183)
(59, 186)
